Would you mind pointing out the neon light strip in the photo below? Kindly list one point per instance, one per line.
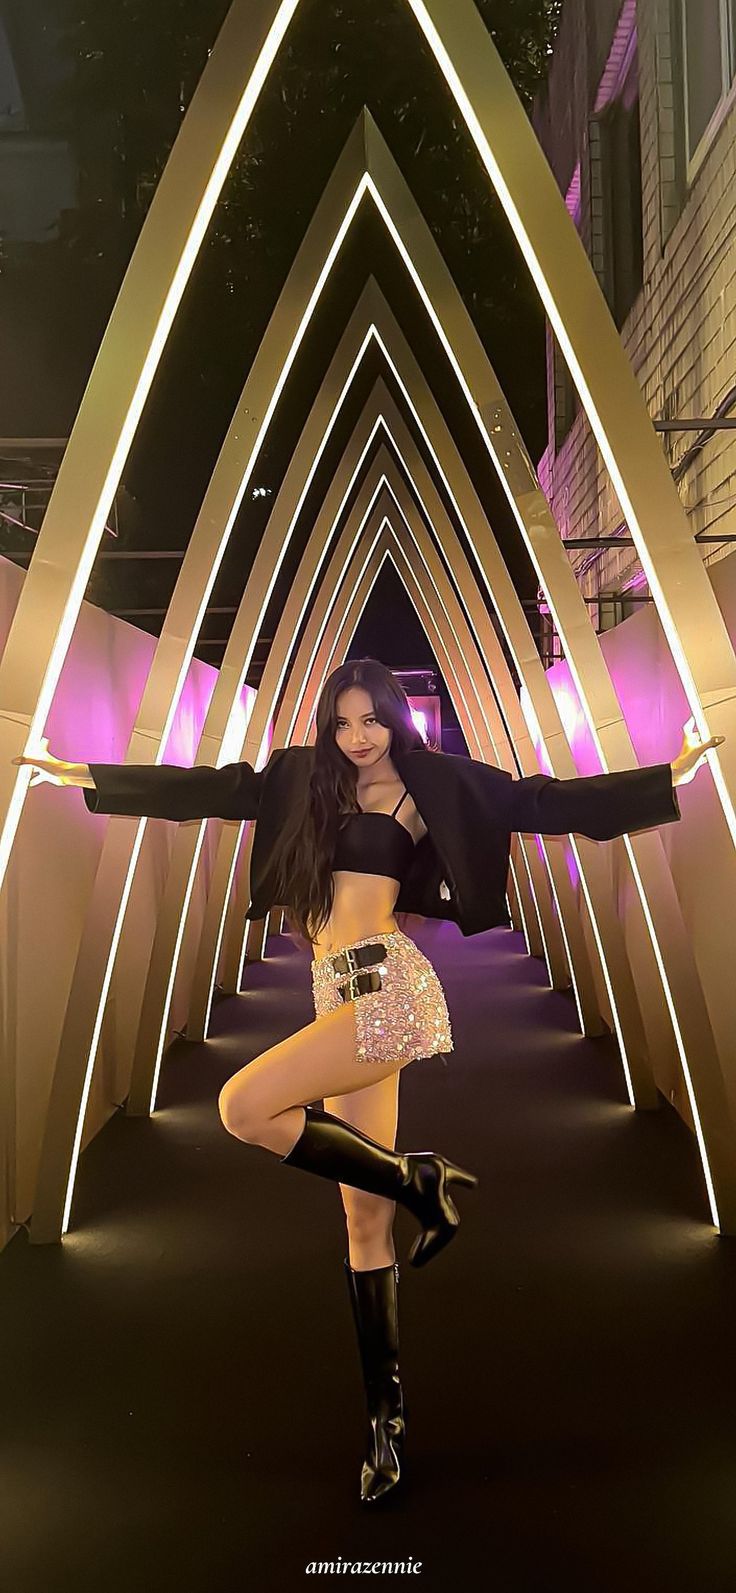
(172, 973)
(678, 1036)
(138, 842)
(169, 308)
(221, 930)
(678, 653)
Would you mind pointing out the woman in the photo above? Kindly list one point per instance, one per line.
(378, 1002)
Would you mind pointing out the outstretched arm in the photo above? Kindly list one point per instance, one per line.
(165, 791)
(602, 806)
(161, 791)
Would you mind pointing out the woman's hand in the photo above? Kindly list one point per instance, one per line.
(56, 770)
(692, 754)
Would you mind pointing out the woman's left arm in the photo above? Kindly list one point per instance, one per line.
(602, 806)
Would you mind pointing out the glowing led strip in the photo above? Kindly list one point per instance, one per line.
(680, 658)
(76, 1147)
(678, 1036)
(180, 277)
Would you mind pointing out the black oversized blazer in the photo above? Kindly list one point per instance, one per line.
(459, 868)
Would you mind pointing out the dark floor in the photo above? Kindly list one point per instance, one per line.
(182, 1407)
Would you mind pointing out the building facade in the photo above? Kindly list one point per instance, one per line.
(638, 121)
(38, 172)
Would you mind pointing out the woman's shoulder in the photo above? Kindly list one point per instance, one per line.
(288, 757)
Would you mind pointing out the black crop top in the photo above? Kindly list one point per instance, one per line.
(374, 843)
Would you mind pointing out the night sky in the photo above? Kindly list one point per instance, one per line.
(122, 78)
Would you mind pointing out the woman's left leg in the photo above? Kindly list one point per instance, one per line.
(262, 1103)
(268, 1103)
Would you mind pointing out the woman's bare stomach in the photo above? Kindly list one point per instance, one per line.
(363, 905)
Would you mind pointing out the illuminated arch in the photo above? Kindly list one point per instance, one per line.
(374, 414)
(366, 165)
(545, 684)
(150, 296)
(152, 1027)
(278, 666)
(47, 1209)
(527, 508)
(591, 864)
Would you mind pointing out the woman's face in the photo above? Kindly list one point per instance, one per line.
(357, 732)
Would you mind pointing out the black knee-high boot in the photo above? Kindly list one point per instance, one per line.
(374, 1301)
(419, 1180)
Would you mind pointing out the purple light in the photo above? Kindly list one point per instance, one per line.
(573, 197)
(620, 57)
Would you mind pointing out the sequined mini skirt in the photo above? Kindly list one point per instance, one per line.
(400, 1008)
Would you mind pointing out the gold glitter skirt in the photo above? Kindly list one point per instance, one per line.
(403, 1020)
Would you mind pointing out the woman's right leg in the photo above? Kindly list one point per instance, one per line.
(370, 1218)
(372, 1278)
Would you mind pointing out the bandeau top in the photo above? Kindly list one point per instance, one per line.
(374, 843)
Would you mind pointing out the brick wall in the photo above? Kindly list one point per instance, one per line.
(681, 331)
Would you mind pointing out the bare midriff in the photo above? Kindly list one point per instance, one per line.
(363, 905)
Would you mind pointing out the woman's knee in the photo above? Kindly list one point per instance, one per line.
(368, 1217)
(235, 1113)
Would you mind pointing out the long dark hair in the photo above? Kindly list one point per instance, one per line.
(304, 883)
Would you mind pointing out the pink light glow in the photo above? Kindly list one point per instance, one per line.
(573, 872)
(573, 719)
(620, 57)
(573, 197)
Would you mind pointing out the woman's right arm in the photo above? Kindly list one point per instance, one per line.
(162, 791)
(55, 770)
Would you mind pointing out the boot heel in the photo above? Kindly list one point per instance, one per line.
(459, 1175)
(427, 1244)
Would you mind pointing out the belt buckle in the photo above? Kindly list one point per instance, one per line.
(345, 961)
(353, 988)
(355, 957)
